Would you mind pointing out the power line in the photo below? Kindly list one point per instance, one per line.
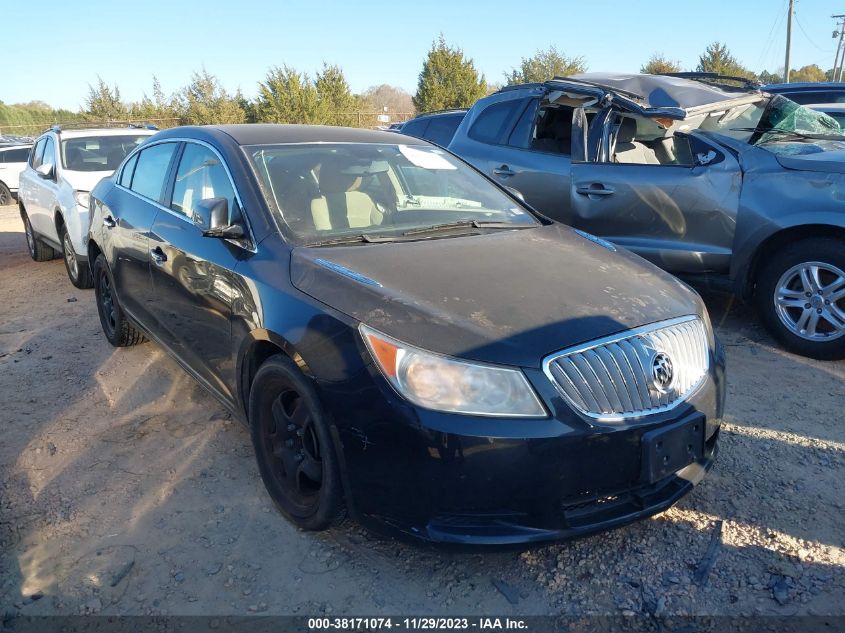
(770, 39)
(801, 27)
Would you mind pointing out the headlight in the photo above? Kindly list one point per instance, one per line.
(82, 198)
(447, 384)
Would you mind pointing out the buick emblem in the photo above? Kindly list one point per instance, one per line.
(662, 372)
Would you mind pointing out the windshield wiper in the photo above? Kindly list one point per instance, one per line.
(776, 130)
(475, 224)
(355, 239)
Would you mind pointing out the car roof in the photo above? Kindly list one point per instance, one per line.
(666, 91)
(438, 113)
(3, 148)
(274, 133)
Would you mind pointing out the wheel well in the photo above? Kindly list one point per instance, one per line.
(255, 356)
(93, 252)
(778, 240)
(59, 220)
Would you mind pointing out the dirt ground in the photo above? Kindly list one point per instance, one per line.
(126, 489)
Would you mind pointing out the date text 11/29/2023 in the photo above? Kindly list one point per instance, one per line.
(417, 624)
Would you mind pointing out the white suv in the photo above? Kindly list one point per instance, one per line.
(12, 162)
(53, 197)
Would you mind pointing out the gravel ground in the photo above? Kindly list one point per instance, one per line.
(125, 489)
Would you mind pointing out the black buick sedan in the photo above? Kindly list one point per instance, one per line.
(404, 338)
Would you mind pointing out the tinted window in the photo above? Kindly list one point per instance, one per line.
(442, 128)
(35, 161)
(126, 174)
(200, 176)
(808, 97)
(151, 170)
(523, 131)
(492, 124)
(98, 153)
(49, 152)
(415, 127)
(17, 155)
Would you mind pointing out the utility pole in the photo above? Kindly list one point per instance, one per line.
(837, 62)
(788, 40)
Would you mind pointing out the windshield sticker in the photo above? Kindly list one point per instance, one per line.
(425, 159)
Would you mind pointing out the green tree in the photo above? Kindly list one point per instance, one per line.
(717, 58)
(336, 103)
(770, 78)
(286, 96)
(545, 65)
(811, 72)
(659, 64)
(204, 101)
(157, 109)
(447, 80)
(103, 103)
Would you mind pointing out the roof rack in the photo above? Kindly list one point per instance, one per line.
(716, 78)
(444, 111)
(94, 125)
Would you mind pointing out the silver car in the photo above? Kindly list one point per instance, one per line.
(702, 178)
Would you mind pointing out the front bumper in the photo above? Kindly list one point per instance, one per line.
(463, 479)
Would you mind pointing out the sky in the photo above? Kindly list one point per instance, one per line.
(58, 48)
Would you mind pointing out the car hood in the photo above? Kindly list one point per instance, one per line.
(84, 180)
(509, 297)
(820, 155)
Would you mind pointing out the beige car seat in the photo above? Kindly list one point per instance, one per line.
(628, 150)
(339, 205)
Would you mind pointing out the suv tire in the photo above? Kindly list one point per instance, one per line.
(294, 446)
(78, 273)
(800, 295)
(117, 328)
(38, 250)
(5, 195)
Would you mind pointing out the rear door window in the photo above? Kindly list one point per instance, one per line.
(415, 128)
(151, 170)
(128, 170)
(496, 121)
(442, 128)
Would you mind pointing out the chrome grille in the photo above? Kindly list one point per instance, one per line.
(615, 378)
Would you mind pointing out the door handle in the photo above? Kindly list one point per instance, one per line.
(504, 170)
(594, 189)
(109, 222)
(158, 255)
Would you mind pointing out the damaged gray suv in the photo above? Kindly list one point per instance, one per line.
(703, 178)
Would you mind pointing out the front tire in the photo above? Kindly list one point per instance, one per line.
(117, 328)
(293, 445)
(78, 273)
(38, 250)
(801, 297)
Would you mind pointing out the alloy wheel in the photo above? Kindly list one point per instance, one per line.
(70, 257)
(810, 301)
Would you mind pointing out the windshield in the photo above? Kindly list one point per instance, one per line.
(323, 191)
(98, 153)
(773, 120)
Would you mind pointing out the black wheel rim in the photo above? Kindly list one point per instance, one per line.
(107, 307)
(292, 448)
(5, 196)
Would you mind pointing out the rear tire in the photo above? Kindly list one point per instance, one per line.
(117, 328)
(78, 273)
(5, 195)
(800, 295)
(294, 447)
(38, 250)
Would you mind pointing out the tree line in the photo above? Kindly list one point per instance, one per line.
(448, 79)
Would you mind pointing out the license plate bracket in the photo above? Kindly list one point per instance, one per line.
(668, 449)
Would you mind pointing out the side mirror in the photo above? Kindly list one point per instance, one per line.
(213, 215)
(46, 170)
